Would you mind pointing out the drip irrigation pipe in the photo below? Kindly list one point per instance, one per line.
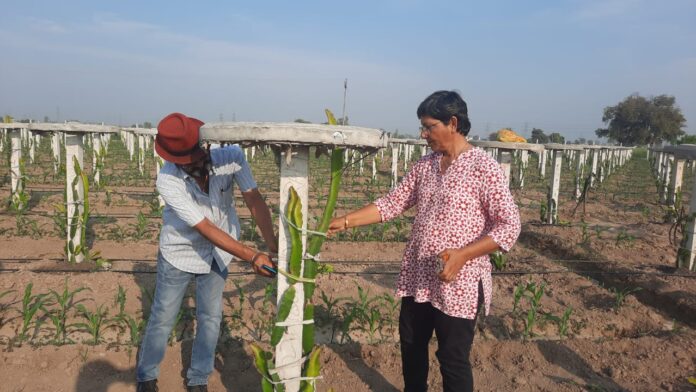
(517, 273)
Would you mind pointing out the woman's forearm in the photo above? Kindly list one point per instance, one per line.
(366, 215)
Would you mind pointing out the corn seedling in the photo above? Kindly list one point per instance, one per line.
(330, 316)
(621, 294)
(585, 233)
(562, 322)
(95, 321)
(237, 315)
(31, 304)
(533, 293)
(5, 306)
(390, 313)
(543, 209)
(623, 236)
(64, 302)
(140, 229)
(60, 220)
(28, 227)
(498, 260)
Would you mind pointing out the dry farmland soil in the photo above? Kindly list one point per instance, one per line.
(594, 303)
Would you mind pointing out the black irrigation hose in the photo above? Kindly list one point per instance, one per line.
(517, 273)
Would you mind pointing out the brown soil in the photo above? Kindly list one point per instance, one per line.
(644, 344)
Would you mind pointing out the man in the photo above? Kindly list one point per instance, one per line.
(198, 239)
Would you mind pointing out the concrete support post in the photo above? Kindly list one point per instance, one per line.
(602, 165)
(554, 189)
(504, 158)
(524, 160)
(97, 158)
(374, 167)
(55, 146)
(666, 177)
(141, 154)
(687, 250)
(75, 196)
(675, 182)
(16, 180)
(595, 162)
(289, 350)
(578, 173)
(542, 163)
(35, 143)
(131, 144)
(394, 166)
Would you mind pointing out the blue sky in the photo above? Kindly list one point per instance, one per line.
(552, 65)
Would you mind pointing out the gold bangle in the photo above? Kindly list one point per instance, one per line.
(345, 222)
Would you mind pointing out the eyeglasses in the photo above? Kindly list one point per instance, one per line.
(428, 128)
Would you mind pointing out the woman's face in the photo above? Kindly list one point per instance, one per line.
(435, 132)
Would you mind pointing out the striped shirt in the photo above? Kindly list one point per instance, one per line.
(186, 206)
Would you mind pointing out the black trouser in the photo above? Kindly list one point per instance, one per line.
(454, 338)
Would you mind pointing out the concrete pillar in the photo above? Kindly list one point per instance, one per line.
(675, 182)
(504, 158)
(524, 160)
(542, 163)
(394, 166)
(374, 167)
(666, 177)
(97, 158)
(74, 151)
(687, 249)
(554, 189)
(141, 154)
(288, 352)
(35, 143)
(578, 174)
(16, 175)
(55, 146)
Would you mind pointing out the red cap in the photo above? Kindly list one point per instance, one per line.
(177, 139)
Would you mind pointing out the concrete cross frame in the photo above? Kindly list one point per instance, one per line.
(292, 141)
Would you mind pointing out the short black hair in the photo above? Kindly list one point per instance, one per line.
(442, 105)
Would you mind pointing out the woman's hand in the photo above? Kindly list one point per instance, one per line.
(454, 260)
(337, 224)
(261, 259)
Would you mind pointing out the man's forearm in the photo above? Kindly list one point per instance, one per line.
(224, 241)
(262, 215)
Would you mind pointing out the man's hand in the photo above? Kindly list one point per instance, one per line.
(259, 261)
(453, 260)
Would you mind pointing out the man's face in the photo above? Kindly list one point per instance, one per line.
(198, 168)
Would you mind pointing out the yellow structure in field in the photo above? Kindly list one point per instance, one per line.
(509, 136)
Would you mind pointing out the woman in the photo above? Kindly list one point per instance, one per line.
(464, 211)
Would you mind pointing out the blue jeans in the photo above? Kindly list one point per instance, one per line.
(169, 293)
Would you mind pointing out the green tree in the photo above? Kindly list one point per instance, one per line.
(302, 121)
(638, 120)
(493, 136)
(556, 138)
(687, 139)
(538, 136)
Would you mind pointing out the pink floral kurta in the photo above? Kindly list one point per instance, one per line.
(466, 203)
